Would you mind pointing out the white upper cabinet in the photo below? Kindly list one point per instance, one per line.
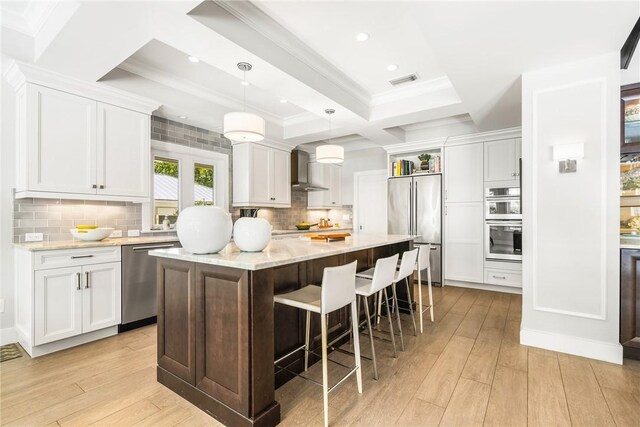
(329, 176)
(123, 148)
(61, 142)
(79, 140)
(502, 160)
(261, 176)
(464, 173)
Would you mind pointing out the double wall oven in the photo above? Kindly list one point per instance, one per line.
(503, 227)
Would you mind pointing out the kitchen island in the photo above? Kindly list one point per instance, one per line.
(219, 332)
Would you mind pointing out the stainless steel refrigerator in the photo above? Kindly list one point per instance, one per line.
(415, 207)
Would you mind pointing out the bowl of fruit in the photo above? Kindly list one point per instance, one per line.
(304, 225)
(91, 233)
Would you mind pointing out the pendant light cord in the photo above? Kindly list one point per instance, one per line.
(244, 91)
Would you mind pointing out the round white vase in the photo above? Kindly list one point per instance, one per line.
(204, 229)
(252, 234)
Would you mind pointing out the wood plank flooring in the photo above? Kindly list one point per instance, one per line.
(467, 369)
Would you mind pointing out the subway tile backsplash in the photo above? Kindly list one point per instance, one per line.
(54, 217)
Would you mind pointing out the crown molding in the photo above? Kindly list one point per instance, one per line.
(409, 147)
(32, 20)
(493, 135)
(171, 80)
(18, 74)
(268, 27)
(411, 91)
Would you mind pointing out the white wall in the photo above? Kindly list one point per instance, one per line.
(7, 177)
(570, 236)
(632, 74)
(358, 161)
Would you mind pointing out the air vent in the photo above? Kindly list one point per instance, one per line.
(405, 79)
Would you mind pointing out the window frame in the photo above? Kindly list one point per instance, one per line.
(187, 158)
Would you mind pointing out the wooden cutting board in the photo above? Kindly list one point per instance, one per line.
(332, 236)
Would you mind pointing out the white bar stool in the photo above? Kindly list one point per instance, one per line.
(407, 265)
(382, 278)
(338, 290)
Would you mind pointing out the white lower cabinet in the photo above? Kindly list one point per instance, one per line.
(464, 238)
(58, 304)
(70, 304)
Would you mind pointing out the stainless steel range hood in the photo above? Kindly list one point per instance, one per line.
(300, 172)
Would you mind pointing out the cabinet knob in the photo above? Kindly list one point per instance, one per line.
(102, 187)
(94, 186)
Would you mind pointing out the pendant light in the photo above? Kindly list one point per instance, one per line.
(329, 153)
(241, 126)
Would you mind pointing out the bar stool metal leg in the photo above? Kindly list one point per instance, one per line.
(415, 333)
(397, 310)
(356, 343)
(306, 341)
(420, 299)
(325, 371)
(430, 294)
(393, 335)
(373, 350)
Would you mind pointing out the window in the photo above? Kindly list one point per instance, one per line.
(183, 177)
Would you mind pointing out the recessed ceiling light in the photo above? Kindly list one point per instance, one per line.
(283, 101)
(193, 59)
(392, 67)
(182, 117)
(362, 37)
(244, 83)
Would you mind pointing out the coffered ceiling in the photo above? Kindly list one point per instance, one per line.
(468, 56)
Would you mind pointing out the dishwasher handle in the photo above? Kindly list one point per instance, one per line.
(148, 248)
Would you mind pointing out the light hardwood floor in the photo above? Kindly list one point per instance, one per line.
(466, 369)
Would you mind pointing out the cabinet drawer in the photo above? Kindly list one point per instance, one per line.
(73, 257)
(503, 278)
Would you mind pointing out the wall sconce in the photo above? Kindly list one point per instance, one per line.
(567, 156)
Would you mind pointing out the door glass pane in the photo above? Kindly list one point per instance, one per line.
(166, 189)
(203, 194)
(632, 120)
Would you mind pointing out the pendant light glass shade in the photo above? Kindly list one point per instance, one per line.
(244, 127)
(329, 153)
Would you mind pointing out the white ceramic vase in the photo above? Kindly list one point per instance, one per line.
(252, 234)
(204, 229)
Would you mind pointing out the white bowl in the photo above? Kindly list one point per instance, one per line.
(92, 235)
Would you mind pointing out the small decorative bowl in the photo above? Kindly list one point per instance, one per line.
(92, 235)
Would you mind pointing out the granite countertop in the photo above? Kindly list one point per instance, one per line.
(281, 252)
(77, 244)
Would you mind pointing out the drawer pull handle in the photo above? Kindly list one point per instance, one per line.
(81, 256)
(499, 277)
(86, 275)
(78, 276)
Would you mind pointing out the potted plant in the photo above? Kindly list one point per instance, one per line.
(424, 161)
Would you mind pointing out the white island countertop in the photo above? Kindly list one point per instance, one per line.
(283, 251)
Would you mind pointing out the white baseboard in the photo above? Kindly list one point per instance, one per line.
(482, 286)
(599, 350)
(8, 336)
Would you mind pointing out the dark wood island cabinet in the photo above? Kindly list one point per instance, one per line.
(630, 302)
(219, 332)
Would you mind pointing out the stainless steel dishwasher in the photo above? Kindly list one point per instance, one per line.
(139, 292)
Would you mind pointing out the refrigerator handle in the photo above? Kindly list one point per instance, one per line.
(415, 210)
(410, 207)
